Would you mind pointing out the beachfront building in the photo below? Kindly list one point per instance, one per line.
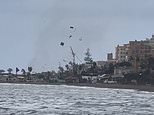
(90, 78)
(123, 70)
(139, 50)
(101, 63)
(150, 42)
(110, 59)
(135, 52)
(122, 53)
(109, 56)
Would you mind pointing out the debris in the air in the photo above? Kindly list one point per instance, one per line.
(70, 36)
(80, 39)
(62, 43)
(71, 27)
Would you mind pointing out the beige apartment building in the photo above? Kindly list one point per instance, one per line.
(139, 50)
(150, 42)
(135, 50)
(122, 53)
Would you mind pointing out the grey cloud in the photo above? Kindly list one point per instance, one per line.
(41, 25)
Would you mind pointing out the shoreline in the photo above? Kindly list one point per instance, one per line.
(148, 88)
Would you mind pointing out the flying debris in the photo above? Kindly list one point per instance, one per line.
(70, 36)
(62, 43)
(80, 39)
(71, 27)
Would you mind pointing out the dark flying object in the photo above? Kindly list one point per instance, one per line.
(71, 27)
(70, 36)
(62, 43)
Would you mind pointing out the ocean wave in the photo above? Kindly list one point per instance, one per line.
(72, 100)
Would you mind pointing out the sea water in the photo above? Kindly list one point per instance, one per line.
(31, 99)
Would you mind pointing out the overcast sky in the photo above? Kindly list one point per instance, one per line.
(31, 30)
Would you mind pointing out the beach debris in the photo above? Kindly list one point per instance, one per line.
(62, 43)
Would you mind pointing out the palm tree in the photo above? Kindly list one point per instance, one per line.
(88, 58)
(61, 71)
(67, 67)
(17, 70)
(29, 72)
(23, 71)
(9, 70)
(30, 69)
(2, 71)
